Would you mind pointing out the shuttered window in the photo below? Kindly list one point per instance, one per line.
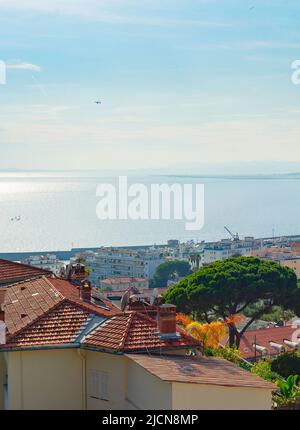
(98, 384)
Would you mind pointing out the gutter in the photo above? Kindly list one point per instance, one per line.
(90, 348)
(40, 348)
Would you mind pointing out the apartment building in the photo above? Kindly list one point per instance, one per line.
(284, 255)
(122, 284)
(227, 248)
(122, 263)
(47, 262)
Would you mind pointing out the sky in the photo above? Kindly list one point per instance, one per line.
(181, 82)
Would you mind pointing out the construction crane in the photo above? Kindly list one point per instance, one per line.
(234, 236)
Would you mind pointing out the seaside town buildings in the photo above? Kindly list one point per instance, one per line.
(48, 262)
(117, 262)
(228, 248)
(66, 345)
(288, 256)
(62, 347)
(122, 284)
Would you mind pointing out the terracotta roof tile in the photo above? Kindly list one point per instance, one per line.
(71, 292)
(263, 338)
(43, 311)
(11, 271)
(32, 297)
(60, 326)
(134, 331)
(199, 370)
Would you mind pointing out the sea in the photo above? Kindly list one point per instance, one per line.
(57, 211)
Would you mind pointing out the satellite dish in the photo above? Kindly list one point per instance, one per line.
(124, 300)
(153, 296)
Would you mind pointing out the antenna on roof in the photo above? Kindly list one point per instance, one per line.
(124, 300)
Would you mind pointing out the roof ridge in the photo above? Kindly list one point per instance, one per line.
(127, 328)
(83, 305)
(26, 265)
(98, 327)
(188, 336)
(22, 281)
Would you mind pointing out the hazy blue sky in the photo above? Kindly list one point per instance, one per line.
(181, 81)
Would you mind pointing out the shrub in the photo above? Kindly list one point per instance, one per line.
(263, 369)
(230, 354)
(288, 391)
(287, 364)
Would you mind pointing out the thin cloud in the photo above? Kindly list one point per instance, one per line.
(246, 45)
(108, 11)
(23, 66)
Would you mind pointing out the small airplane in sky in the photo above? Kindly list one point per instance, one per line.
(98, 102)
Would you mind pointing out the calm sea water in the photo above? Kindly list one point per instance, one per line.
(57, 213)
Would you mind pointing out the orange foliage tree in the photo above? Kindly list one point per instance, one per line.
(209, 334)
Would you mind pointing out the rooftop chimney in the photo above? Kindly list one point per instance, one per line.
(85, 291)
(166, 321)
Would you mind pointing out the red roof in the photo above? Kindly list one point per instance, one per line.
(47, 311)
(264, 336)
(71, 292)
(12, 272)
(59, 326)
(199, 370)
(134, 331)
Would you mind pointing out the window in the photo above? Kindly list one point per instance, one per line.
(98, 384)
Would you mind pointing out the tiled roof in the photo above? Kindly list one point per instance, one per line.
(71, 292)
(59, 326)
(263, 337)
(12, 272)
(199, 370)
(26, 301)
(46, 311)
(134, 331)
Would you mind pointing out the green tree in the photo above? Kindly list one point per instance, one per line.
(195, 259)
(227, 287)
(277, 314)
(287, 364)
(167, 270)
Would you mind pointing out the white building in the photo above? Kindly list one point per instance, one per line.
(122, 263)
(227, 248)
(122, 284)
(47, 262)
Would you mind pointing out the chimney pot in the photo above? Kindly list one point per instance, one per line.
(85, 291)
(166, 320)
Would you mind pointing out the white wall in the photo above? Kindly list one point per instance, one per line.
(50, 379)
(196, 396)
(147, 391)
(116, 368)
